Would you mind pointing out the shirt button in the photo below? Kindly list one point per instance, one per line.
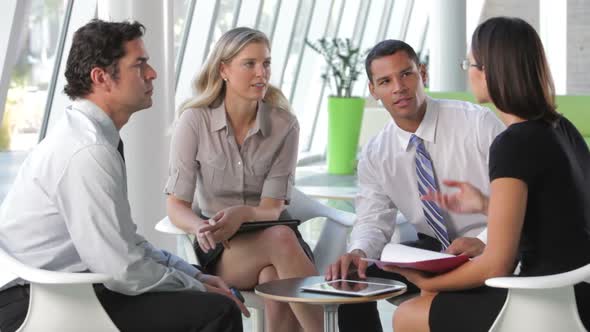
(239, 163)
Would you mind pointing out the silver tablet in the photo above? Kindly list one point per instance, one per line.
(353, 287)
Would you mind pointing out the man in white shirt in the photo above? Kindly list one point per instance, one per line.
(68, 208)
(429, 140)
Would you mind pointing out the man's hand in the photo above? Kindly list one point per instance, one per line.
(470, 246)
(349, 286)
(215, 284)
(342, 267)
(214, 281)
(467, 200)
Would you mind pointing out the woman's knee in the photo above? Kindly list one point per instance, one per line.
(410, 315)
(268, 273)
(280, 237)
(402, 317)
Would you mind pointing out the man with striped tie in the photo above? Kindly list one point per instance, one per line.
(429, 140)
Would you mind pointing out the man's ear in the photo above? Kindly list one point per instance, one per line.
(423, 73)
(100, 78)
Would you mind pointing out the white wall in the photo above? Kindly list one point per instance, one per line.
(145, 136)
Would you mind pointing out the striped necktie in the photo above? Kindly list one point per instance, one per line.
(426, 182)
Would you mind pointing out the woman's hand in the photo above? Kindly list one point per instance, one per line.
(205, 239)
(467, 200)
(418, 278)
(226, 222)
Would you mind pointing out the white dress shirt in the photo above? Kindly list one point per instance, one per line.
(457, 135)
(68, 211)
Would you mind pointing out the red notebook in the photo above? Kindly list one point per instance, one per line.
(418, 259)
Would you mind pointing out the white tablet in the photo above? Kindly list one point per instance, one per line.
(353, 287)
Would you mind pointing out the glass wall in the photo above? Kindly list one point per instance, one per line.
(35, 100)
(29, 85)
(297, 69)
(32, 74)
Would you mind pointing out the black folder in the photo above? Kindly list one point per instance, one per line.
(251, 226)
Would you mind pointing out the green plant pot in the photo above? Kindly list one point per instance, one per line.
(345, 116)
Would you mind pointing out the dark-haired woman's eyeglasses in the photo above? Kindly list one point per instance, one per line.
(465, 64)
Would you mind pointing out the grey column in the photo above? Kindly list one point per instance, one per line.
(145, 135)
(447, 45)
(578, 47)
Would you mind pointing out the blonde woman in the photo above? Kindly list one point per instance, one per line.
(232, 160)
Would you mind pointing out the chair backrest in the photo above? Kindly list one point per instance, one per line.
(304, 208)
(332, 241)
(12, 269)
(8, 264)
(540, 304)
(59, 301)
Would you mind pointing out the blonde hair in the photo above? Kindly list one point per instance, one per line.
(209, 86)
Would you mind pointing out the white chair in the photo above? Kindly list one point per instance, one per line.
(540, 304)
(331, 243)
(59, 301)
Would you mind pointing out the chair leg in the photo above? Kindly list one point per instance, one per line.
(257, 320)
(65, 307)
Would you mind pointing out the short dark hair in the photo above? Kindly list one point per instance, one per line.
(385, 48)
(97, 44)
(518, 77)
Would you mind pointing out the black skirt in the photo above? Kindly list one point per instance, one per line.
(469, 310)
(208, 260)
(477, 309)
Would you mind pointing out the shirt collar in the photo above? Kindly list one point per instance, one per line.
(98, 116)
(427, 128)
(262, 124)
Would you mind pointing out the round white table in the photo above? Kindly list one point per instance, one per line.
(289, 290)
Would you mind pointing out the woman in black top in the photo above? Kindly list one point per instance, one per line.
(539, 205)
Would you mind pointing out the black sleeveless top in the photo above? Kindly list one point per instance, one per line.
(554, 162)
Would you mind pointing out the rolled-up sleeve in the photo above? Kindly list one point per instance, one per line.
(94, 205)
(183, 164)
(281, 177)
(375, 212)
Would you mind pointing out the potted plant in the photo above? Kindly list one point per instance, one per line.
(344, 63)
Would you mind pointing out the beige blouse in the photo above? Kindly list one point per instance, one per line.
(208, 168)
